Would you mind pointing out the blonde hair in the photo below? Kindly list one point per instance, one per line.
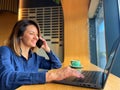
(18, 30)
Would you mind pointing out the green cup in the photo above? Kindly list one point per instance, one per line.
(75, 63)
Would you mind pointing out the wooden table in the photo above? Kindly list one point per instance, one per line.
(113, 82)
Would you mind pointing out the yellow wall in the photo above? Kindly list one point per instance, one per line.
(75, 28)
(7, 20)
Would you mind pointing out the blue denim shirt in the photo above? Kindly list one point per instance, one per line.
(16, 70)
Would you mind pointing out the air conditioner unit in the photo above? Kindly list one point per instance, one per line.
(92, 8)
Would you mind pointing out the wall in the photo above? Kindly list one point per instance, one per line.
(75, 28)
(7, 20)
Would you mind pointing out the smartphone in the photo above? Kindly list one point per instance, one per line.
(39, 43)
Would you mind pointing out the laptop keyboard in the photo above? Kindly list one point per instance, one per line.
(90, 77)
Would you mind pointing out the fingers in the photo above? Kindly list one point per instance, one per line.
(42, 38)
(72, 72)
(62, 73)
(45, 45)
(76, 73)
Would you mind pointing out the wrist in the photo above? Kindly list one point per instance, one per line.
(47, 50)
(50, 76)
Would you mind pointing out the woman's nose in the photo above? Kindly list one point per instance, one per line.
(36, 37)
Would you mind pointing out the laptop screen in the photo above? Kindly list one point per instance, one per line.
(110, 60)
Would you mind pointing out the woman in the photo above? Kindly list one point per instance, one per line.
(19, 64)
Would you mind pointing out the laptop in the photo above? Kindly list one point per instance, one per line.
(94, 79)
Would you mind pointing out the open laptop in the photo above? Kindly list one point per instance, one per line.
(94, 79)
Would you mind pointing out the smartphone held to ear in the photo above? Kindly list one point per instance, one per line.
(39, 43)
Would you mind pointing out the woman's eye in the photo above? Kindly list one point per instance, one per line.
(31, 33)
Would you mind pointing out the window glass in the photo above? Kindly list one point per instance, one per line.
(100, 39)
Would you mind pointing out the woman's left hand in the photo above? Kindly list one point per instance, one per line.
(45, 45)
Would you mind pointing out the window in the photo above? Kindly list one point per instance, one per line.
(100, 39)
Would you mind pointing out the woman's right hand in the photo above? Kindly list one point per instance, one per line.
(62, 73)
